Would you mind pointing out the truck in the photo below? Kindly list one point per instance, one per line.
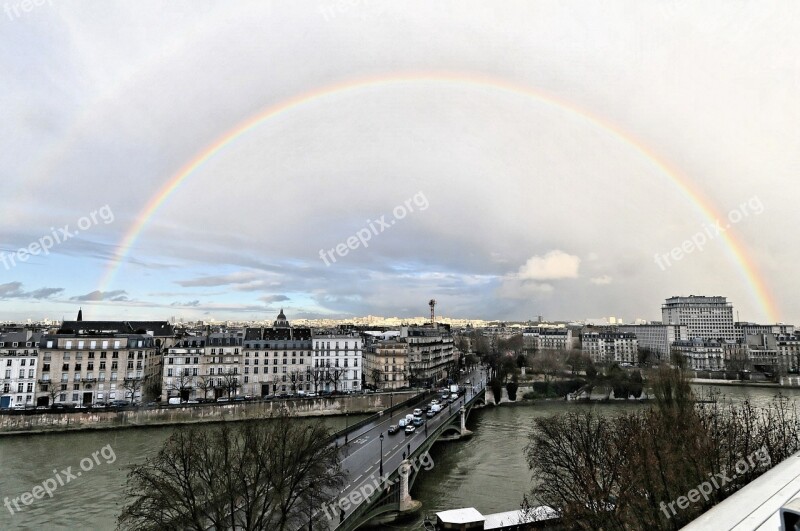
(454, 389)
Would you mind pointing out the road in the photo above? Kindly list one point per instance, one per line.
(361, 459)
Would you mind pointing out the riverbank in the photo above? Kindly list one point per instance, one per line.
(93, 420)
(739, 383)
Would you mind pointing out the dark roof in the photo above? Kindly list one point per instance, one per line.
(158, 328)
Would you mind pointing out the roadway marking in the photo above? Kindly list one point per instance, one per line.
(359, 477)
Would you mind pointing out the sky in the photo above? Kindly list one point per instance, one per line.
(221, 160)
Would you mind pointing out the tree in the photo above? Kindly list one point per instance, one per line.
(248, 476)
(153, 388)
(205, 384)
(376, 375)
(132, 386)
(230, 383)
(577, 361)
(549, 363)
(183, 383)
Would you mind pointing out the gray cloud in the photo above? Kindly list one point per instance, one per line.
(13, 290)
(97, 296)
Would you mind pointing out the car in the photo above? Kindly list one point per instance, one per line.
(393, 429)
(410, 429)
(222, 399)
(311, 395)
(192, 402)
(453, 396)
(434, 402)
(468, 381)
(402, 423)
(267, 397)
(418, 412)
(430, 414)
(42, 407)
(239, 399)
(418, 421)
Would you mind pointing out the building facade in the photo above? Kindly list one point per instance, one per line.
(19, 365)
(658, 338)
(431, 356)
(94, 366)
(386, 365)
(704, 317)
(338, 362)
(606, 347)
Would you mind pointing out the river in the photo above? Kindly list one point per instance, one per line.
(487, 472)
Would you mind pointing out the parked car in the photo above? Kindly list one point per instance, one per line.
(238, 399)
(192, 402)
(410, 429)
(223, 399)
(393, 429)
(311, 394)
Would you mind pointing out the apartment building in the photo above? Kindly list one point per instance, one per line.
(18, 363)
(702, 354)
(386, 364)
(611, 347)
(338, 361)
(657, 337)
(548, 338)
(431, 356)
(704, 317)
(96, 364)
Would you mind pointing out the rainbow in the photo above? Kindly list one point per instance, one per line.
(735, 248)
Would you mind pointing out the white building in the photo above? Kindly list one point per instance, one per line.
(431, 356)
(704, 317)
(338, 362)
(611, 347)
(18, 362)
(548, 338)
(657, 337)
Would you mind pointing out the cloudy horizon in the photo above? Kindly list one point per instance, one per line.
(532, 158)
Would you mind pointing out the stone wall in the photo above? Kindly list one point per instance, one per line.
(39, 422)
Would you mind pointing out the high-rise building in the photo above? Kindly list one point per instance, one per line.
(704, 317)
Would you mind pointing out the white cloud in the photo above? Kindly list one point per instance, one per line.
(554, 265)
(601, 280)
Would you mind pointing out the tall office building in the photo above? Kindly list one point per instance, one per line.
(704, 317)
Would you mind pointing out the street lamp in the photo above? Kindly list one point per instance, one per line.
(381, 467)
(311, 509)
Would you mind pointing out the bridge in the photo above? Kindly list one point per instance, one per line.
(381, 468)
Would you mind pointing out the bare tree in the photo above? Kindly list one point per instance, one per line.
(205, 384)
(376, 377)
(230, 383)
(132, 386)
(333, 374)
(183, 383)
(248, 476)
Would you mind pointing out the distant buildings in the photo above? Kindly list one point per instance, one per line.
(548, 338)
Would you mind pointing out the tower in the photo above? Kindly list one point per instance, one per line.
(432, 304)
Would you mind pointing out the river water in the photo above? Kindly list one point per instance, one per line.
(487, 472)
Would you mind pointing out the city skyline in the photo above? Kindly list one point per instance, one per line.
(589, 162)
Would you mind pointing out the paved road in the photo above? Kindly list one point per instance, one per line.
(361, 456)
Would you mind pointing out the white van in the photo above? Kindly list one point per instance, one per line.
(174, 400)
(402, 423)
(409, 418)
